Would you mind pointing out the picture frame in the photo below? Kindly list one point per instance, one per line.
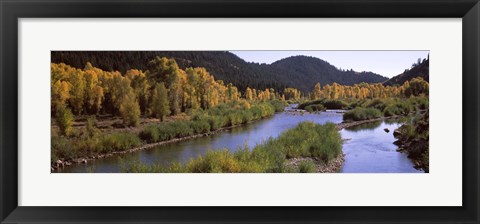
(10, 212)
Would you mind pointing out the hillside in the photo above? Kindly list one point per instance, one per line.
(300, 72)
(419, 70)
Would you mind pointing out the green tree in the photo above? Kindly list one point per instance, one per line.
(130, 109)
(160, 107)
(64, 119)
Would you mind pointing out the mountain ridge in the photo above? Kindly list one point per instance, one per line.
(301, 72)
(419, 69)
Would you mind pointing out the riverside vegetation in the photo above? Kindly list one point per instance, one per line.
(322, 142)
(96, 113)
(413, 139)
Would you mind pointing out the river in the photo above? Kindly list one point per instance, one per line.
(367, 149)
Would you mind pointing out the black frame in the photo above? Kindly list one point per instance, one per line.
(11, 10)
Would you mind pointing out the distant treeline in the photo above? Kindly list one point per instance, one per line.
(299, 72)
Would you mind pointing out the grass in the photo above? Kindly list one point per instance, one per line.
(76, 147)
(305, 140)
(211, 120)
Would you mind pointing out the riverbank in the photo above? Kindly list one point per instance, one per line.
(85, 159)
(413, 139)
(310, 143)
(332, 166)
(321, 167)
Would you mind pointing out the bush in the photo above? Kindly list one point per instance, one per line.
(307, 167)
(119, 142)
(326, 104)
(64, 119)
(314, 108)
(361, 113)
(278, 105)
(61, 149)
(335, 104)
(200, 126)
(150, 134)
(392, 110)
(377, 104)
(130, 110)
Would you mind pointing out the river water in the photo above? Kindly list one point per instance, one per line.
(368, 149)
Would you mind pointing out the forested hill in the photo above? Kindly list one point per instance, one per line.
(300, 72)
(419, 69)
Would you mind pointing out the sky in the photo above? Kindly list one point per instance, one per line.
(385, 63)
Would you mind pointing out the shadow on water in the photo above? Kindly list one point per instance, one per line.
(366, 126)
(370, 149)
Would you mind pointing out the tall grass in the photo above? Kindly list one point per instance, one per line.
(211, 120)
(72, 148)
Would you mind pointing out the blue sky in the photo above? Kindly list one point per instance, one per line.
(386, 63)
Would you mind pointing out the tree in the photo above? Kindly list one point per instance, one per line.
(416, 87)
(64, 119)
(317, 93)
(77, 91)
(60, 94)
(140, 85)
(93, 90)
(248, 94)
(160, 107)
(130, 109)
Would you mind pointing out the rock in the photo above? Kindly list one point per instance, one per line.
(68, 163)
(59, 163)
(386, 130)
(84, 161)
(397, 133)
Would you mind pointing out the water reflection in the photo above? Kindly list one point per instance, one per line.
(371, 150)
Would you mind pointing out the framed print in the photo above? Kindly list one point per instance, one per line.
(245, 112)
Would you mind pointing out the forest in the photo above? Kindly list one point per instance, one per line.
(300, 72)
(99, 113)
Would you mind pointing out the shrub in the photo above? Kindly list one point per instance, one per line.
(179, 129)
(377, 104)
(335, 104)
(309, 108)
(278, 105)
(91, 129)
(361, 113)
(119, 142)
(200, 126)
(64, 119)
(314, 108)
(307, 167)
(61, 149)
(392, 110)
(130, 110)
(150, 134)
